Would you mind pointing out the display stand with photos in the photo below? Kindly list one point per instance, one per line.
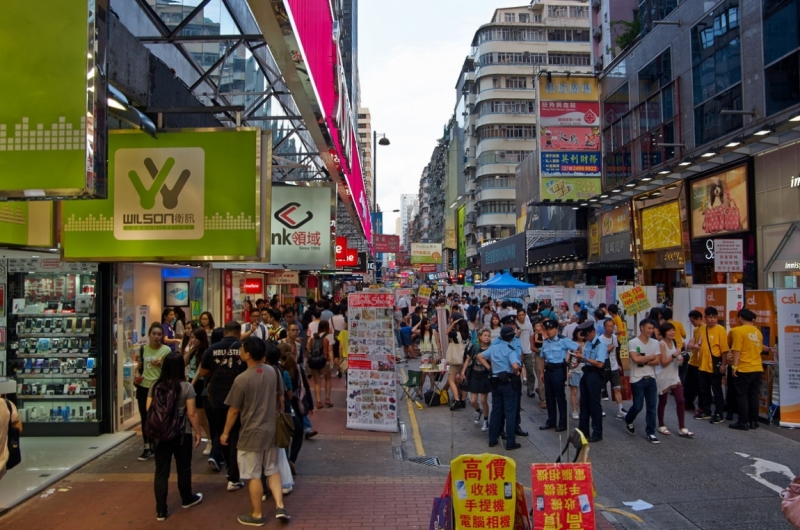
(53, 347)
(371, 378)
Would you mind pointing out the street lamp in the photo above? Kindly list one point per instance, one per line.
(375, 142)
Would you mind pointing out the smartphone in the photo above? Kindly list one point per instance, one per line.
(69, 325)
(508, 491)
(78, 326)
(58, 325)
(90, 364)
(48, 323)
(87, 324)
(539, 503)
(55, 345)
(79, 364)
(28, 325)
(38, 323)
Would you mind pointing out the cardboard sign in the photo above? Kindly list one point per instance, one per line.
(562, 496)
(484, 492)
(635, 300)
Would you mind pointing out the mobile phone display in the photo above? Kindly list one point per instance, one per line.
(48, 323)
(89, 364)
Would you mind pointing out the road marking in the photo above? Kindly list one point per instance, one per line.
(761, 466)
(412, 417)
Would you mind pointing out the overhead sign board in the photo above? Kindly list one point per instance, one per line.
(386, 243)
(570, 114)
(426, 253)
(188, 195)
(284, 278)
(300, 225)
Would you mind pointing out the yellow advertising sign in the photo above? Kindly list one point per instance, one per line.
(661, 226)
(594, 239)
(484, 491)
(578, 189)
(615, 222)
(635, 300)
(573, 88)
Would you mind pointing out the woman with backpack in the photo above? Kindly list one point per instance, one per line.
(148, 369)
(320, 361)
(170, 403)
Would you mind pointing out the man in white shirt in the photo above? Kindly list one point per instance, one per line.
(526, 340)
(569, 329)
(645, 354)
(609, 339)
(402, 305)
(486, 318)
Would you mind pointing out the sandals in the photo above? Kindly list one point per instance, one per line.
(663, 430)
(328, 403)
(685, 433)
(319, 405)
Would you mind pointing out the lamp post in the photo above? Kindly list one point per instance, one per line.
(375, 142)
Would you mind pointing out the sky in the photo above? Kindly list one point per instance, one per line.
(410, 55)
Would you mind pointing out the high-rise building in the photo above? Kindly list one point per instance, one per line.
(348, 36)
(408, 203)
(610, 20)
(365, 141)
(510, 53)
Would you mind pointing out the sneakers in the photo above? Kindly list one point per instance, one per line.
(147, 454)
(739, 426)
(525, 382)
(233, 486)
(214, 465)
(702, 416)
(162, 516)
(197, 498)
(716, 419)
(631, 428)
(249, 520)
(478, 416)
(575, 415)
(287, 491)
(620, 415)
(280, 513)
(652, 439)
(310, 434)
(207, 450)
(485, 427)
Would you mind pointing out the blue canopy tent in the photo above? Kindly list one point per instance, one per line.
(506, 286)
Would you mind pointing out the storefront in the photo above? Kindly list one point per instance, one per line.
(610, 249)
(508, 254)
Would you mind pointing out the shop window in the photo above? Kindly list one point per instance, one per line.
(782, 83)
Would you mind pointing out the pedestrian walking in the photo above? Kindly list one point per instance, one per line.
(148, 368)
(554, 351)
(175, 439)
(479, 380)
(609, 339)
(668, 379)
(254, 399)
(593, 357)
(645, 354)
(526, 340)
(457, 340)
(196, 347)
(320, 361)
(575, 369)
(503, 361)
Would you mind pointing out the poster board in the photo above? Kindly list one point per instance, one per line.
(484, 491)
(371, 377)
(562, 496)
(788, 304)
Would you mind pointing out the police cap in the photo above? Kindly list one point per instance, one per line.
(507, 333)
(550, 324)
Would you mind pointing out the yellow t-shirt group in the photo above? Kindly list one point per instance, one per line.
(714, 343)
(747, 340)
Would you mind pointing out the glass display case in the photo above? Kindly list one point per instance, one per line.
(54, 349)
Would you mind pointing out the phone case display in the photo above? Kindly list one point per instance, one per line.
(371, 379)
(53, 346)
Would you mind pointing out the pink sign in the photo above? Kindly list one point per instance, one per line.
(569, 113)
(313, 24)
(570, 138)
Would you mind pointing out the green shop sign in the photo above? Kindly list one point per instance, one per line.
(53, 119)
(27, 224)
(192, 195)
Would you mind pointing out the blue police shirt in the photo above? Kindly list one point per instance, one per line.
(555, 350)
(501, 356)
(515, 343)
(596, 350)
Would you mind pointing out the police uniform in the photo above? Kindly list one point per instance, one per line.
(503, 357)
(554, 352)
(516, 380)
(591, 387)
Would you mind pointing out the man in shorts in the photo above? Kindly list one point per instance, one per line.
(256, 396)
(609, 339)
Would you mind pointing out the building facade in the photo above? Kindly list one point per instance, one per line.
(367, 162)
(408, 202)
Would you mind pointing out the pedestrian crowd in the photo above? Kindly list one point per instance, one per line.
(241, 387)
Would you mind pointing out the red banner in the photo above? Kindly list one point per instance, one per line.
(425, 267)
(570, 114)
(227, 279)
(386, 243)
(370, 300)
(562, 496)
(403, 259)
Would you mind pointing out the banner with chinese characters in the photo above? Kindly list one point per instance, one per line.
(371, 393)
(562, 496)
(572, 164)
(788, 301)
(573, 88)
(579, 189)
(484, 491)
(569, 114)
(423, 296)
(300, 224)
(569, 138)
(386, 243)
(635, 300)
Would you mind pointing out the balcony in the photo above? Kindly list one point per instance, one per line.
(506, 118)
(490, 194)
(497, 219)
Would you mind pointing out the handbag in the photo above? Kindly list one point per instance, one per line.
(455, 353)
(14, 453)
(287, 482)
(284, 426)
(442, 512)
(790, 505)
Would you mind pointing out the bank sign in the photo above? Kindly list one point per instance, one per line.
(186, 195)
(300, 232)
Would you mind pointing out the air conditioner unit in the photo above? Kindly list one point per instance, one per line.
(597, 32)
(598, 64)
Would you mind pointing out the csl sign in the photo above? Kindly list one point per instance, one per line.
(300, 232)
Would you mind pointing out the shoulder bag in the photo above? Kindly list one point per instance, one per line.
(790, 505)
(455, 353)
(14, 453)
(284, 426)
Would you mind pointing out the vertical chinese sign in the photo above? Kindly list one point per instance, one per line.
(371, 401)
(562, 496)
(484, 491)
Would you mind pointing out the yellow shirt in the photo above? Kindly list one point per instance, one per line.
(343, 339)
(618, 322)
(715, 343)
(680, 333)
(748, 341)
(694, 356)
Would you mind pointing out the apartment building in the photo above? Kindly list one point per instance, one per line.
(367, 163)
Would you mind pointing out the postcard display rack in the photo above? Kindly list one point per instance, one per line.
(371, 378)
(53, 350)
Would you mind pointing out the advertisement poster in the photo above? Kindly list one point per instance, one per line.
(719, 204)
(423, 296)
(594, 238)
(371, 379)
(563, 496)
(140, 326)
(611, 290)
(569, 114)
(762, 303)
(569, 138)
(300, 225)
(788, 301)
(573, 164)
(717, 297)
(563, 88)
(615, 222)
(484, 491)
(635, 300)
(569, 188)
(661, 226)
(386, 243)
(426, 253)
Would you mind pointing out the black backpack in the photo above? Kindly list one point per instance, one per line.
(317, 360)
(163, 421)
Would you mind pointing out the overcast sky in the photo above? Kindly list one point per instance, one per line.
(410, 56)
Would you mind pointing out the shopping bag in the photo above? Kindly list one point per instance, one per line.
(442, 513)
(790, 505)
(522, 519)
(287, 482)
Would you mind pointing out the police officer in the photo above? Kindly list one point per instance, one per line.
(554, 352)
(503, 361)
(593, 356)
(516, 381)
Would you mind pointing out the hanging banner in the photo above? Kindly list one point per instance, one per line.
(569, 138)
(426, 253)
(562, 189)
(611, 290)
(386, 243)
(281, 278)
(484, 491)
(371, 374)
(53, 136)
(569, 114)
(635, 300)
(572, 164)
(563, 88)
(301, 225)
(189, 195)
(563, 496)
(788, 302)
(615, 222)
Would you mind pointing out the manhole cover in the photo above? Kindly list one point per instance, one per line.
(432, 461)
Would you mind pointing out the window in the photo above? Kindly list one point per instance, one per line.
(362, 116)
(508, 17)
(557, 11)
(532, 35)
(782, 83)
(710, 123)
(512, 58)
(781, 56)
(501, 157)
(569, 59)
(568, 35)
(616, 105)
(510, 132)
(507, 107)
(516, 82)
(524, 18)
(655, 75)
(579, 12)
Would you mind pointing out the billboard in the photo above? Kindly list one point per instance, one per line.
(426, 253)
(194, 194)
(661, 226)
(462, 238)
(386, 243)
(615, 221)
(300, 225)
(569, 114)
(719, 204)
(563, 88)
(53, 136)
(569, 138)
(573, 164)
(577, 189)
